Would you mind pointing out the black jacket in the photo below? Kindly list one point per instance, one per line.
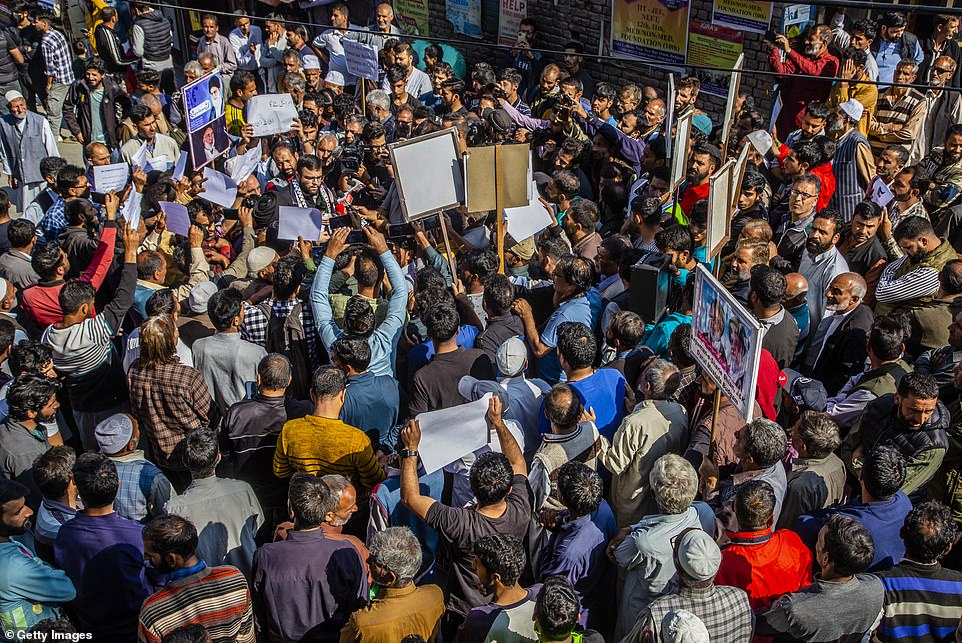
(77, 115)
(108, 48)
(879, 424)
(845, 351)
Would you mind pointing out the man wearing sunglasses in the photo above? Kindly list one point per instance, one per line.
(944, 108)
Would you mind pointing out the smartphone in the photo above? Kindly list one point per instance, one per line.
(357, 237)
(230, 214)
(340, 221)
(98, 198)
(400, 230)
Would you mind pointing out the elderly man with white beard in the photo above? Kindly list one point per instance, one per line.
(25, 140)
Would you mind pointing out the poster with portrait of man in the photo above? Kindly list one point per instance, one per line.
(726, 341)
(204, 103)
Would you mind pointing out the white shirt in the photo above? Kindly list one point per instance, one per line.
(819, 272)
(419, 84)
(330, 41)
(241, 45)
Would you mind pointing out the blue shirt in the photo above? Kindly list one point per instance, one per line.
(882, 519)
(657, 338)
(371, 404)
(573, 310)
(30, 589)
(604, 392)
(890, 54)
(104, 557)
(576, 550)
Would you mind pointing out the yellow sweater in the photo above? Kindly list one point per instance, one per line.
(320, 446)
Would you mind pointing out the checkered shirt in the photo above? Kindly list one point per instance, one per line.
(725, 611)
(53, 222)
(254, 327)
(56, 54)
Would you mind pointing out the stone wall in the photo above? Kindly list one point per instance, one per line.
(589, 21)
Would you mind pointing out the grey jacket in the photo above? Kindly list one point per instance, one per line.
(227, 363)
(16, 268)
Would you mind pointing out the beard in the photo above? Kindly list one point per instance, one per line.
(11, 530)
(917, 256)
(834, 307)
(816, 248)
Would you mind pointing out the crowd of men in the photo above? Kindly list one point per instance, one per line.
(216, 437)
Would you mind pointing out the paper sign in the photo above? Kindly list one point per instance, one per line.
(180, 167)
(761, 141)
(130, 211)
(159, 163)
(110, 177)
(361, 59)
(244, 165)
(219, 188)
(140, 158)
(879, 193)
(452, 433)
(295, 222)
(271, 114)
(529, 219)
(177, 219)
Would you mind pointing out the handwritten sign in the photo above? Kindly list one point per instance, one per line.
(361, 59)
(271, 114)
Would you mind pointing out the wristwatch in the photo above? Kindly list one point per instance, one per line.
(407, 453)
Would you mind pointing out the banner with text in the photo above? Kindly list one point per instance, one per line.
(746, 15)
(509, 22)
(465, 17)
(713, 46)
(412, 17)
(655, 30)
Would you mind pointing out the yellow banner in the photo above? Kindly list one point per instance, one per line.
(655, 30)
(412, 17)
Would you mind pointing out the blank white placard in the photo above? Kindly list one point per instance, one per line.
(452, 433)
(428, 172)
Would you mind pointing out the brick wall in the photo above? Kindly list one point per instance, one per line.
(589, 21)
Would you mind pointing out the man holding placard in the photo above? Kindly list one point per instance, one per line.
(162, 150)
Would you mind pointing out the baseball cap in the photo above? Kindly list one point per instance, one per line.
(524, 249)
(512, 357)
(853, 109)
(200, 295)
(698, 554)
(809, 394)
(114, 433)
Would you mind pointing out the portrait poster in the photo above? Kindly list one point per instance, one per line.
(745, 15)
(655, 30)
(726, 341)
(795, 17)
(206, 123)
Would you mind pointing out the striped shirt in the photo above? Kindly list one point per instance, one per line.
(320, 446)
(56, 55)
(216, 598)
(897, 120)
(921, 602)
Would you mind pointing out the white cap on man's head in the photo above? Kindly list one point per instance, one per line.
(512, 357)
(853, 109)
(12, 95)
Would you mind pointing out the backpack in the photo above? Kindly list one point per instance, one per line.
(285, 335)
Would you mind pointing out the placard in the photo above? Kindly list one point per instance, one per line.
(295, 222)
(745, 15)
(669, 114)
(735, 80)
(726, 341)
(361, 59)
(452, 433)
(428, 173)
(679, 159)
(719, 208)
(218, 188)
(879, 193)
(207, 124)
(110, 177)
(738, 174)
(528, 220)
(480, 181)
(795, 18)
(653, 30)
(271, 114)
(176, 218)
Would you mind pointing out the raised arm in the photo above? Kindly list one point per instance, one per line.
(410, 489)
(96, 272)
(509, 446)
(117, 308)
(397, 304)
(320, 300)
